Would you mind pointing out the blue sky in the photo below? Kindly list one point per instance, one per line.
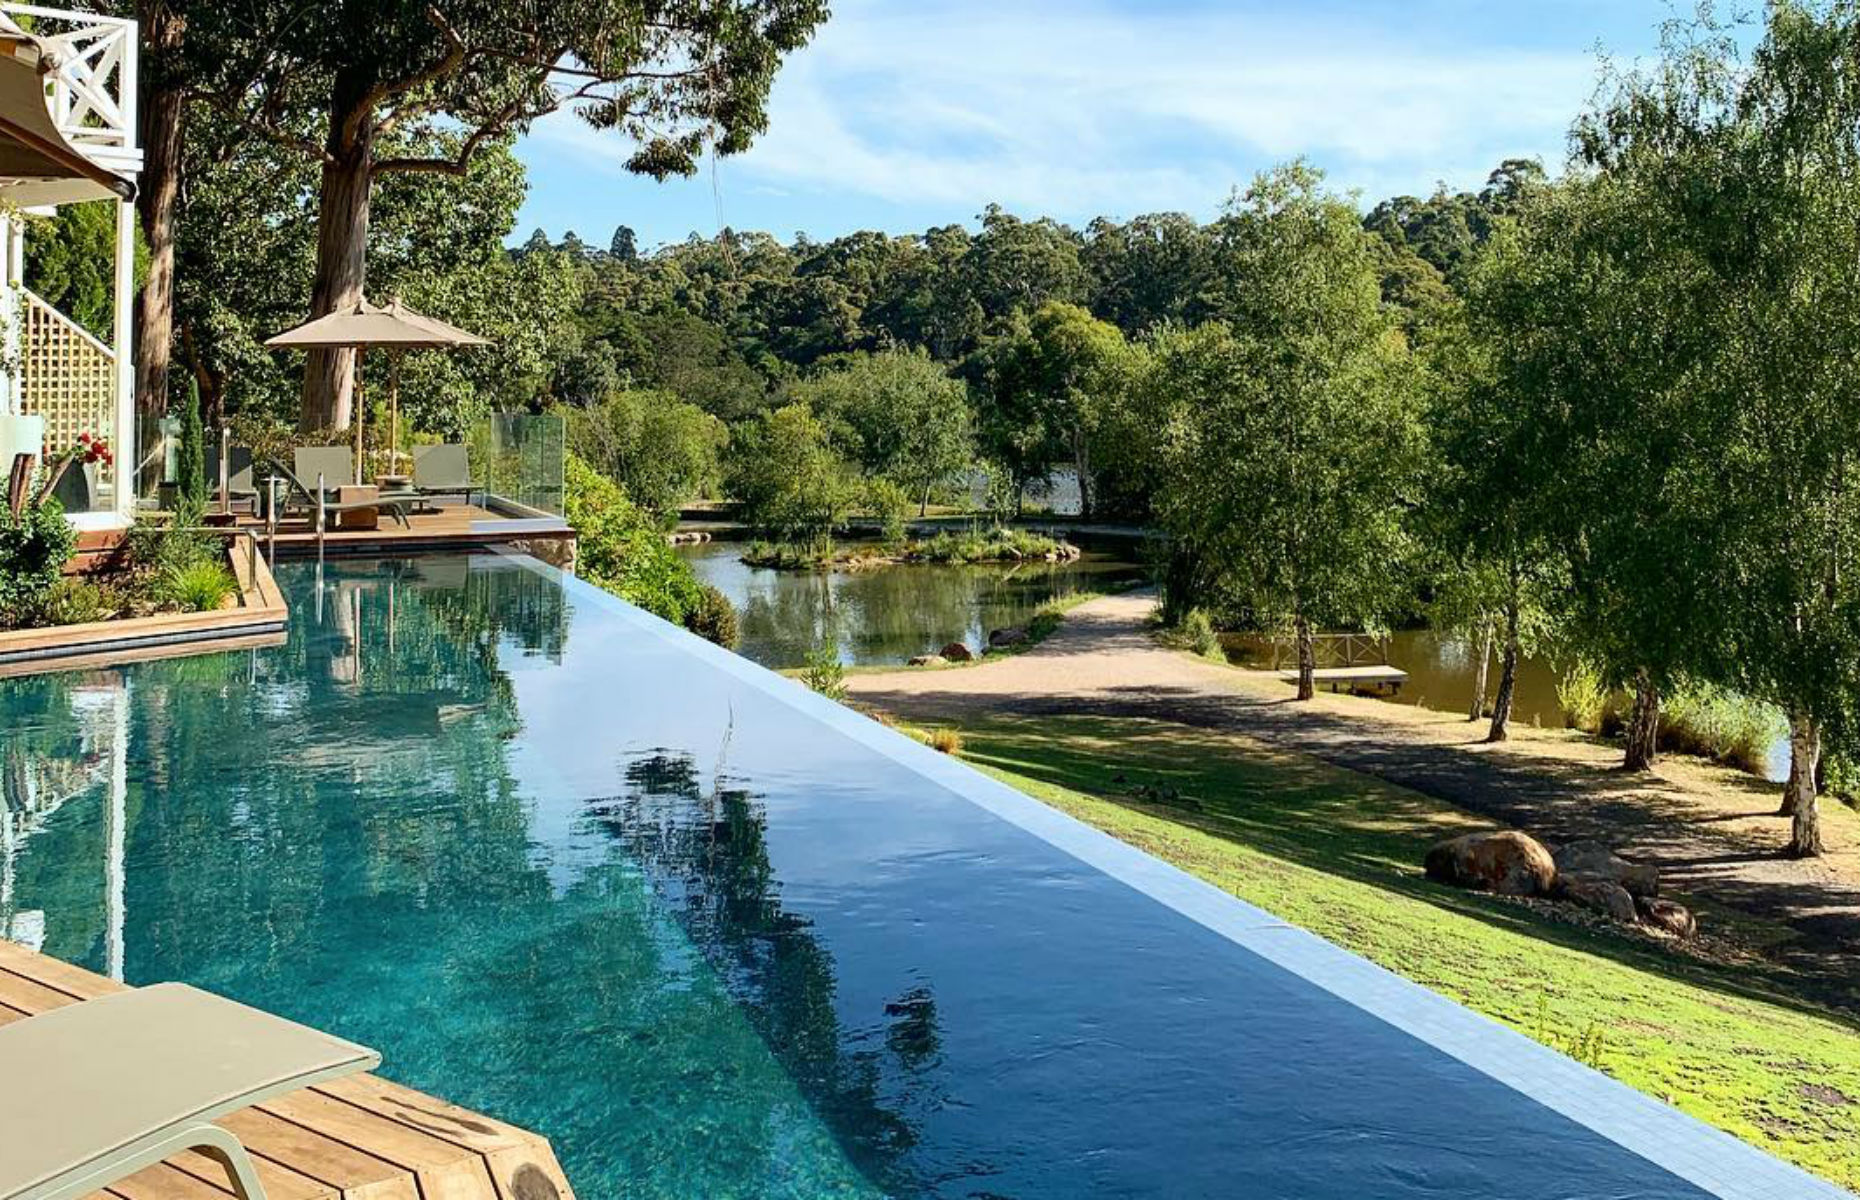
(908, 113)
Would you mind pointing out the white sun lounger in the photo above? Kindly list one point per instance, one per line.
(98, 1090)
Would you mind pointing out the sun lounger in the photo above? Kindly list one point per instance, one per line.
(336, 464)
(98, 1090)
(444, 471)
(336, 467)
(238, 486)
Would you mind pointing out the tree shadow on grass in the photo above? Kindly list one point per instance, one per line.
(1302, 811)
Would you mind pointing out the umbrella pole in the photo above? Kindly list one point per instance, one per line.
(393, 412)
(361, 408)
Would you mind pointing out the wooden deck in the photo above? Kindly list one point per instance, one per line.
(1360, 676)
(360, 1138)
(444, 527)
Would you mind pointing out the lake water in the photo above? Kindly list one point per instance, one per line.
(887, 614)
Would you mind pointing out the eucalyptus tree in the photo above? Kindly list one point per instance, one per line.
(1289, 428)
(672, 77)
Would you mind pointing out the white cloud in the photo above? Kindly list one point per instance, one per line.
(1082, 110)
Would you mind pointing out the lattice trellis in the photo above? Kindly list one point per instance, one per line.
(69, 378)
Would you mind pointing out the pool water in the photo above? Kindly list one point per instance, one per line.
(561, 863)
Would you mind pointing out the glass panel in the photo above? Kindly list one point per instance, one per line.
(519, 457)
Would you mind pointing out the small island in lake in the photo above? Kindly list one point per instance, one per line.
(974, 546)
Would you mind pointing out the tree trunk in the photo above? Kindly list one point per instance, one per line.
(1081, 463)
(1507, 679)
(341, 251)
(1484, 643)
(1800, 800)
(1643, 730)
(163, 108)
(1307, 660)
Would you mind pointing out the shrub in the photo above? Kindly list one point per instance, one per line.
(192, 467)
(73, 601)
(948, 741)
(1199, 634)
(35, 545)
(1716, 723)
(198, 587)
(167, 547)
(1582, 696)
(621, 548)
(713, 617)
(824, 673)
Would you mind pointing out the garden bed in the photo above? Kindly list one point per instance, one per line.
(255, 615)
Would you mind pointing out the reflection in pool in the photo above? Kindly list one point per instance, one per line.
(711, 935)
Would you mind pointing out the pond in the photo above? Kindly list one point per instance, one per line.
(885, 615)
(1441, 669)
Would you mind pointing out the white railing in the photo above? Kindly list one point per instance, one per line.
(69, 378)
(92, 84)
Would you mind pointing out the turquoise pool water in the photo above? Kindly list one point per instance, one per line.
(562, 865)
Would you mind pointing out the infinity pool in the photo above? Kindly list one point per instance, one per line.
(718, 938)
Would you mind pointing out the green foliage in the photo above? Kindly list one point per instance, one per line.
(622, 549)
(1582, 695)
(713, 617)
(1286, 438)
(69, 262)
(1199, 633)
(903, 418)
(1713, 722)
(201, 586)
(192, 467)
(34, 548)
(784, 472)
(661, 450)
(824, 673)
(76, 601)
(161, 546)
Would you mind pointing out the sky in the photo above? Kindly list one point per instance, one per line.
(904, 114)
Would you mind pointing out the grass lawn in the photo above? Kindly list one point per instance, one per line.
(1339, 853)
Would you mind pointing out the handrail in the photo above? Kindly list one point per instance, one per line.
(1335, 650)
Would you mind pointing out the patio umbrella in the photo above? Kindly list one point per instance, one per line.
(395, 328)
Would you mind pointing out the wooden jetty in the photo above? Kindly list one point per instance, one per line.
(359, 1138)
(1345, 661)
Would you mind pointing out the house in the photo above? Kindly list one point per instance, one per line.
(68, 135)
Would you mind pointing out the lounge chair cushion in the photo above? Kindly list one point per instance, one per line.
(89, 1082)
(445, 468)
(335, 463)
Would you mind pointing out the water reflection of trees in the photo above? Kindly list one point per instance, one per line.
(888, 614)
(705, 852)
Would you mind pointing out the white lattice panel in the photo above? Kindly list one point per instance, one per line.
(69, 378)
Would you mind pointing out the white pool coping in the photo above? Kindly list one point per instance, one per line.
(1708, 1158)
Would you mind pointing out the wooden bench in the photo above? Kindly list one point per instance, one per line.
(360, 1138)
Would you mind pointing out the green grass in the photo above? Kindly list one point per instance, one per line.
(1338, 853)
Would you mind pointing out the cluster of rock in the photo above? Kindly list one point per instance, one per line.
(1587, 874)
(688, 537)
(959, 652)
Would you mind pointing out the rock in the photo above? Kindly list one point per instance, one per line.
(928, 660)
(1672, 917)
(1000, 639)
(957, 652)
(1597, 861)
(1509, 863)
(1603, 895)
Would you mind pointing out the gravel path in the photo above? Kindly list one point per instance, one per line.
(1709, 828)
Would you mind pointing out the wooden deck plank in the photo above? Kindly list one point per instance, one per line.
(359, 1138)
